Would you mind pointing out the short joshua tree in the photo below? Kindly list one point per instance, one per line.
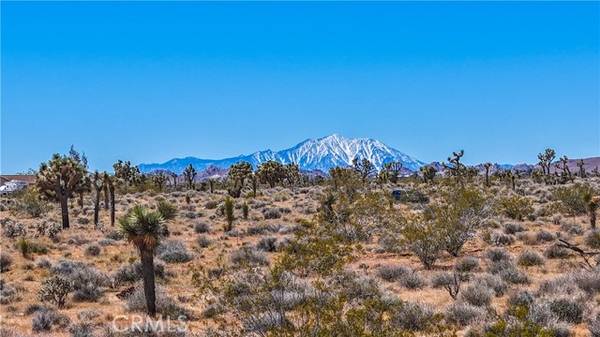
(144, 228)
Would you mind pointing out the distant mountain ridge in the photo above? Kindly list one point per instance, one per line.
(310, 155)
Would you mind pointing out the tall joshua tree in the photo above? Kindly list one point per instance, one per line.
(455, 167)
(391, 171)
(593, 203)
(272, 172)
(581, 166)
(97, 185)
(84, 184)
(108, 180)
(143, 228)
(159, 180)
(364, 167)
(545, 160)
(190, 174)
(58, 179)
(237, 174)
(428, 173)
(487, 167)
(563, 164)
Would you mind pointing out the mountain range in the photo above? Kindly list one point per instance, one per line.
(311, 155)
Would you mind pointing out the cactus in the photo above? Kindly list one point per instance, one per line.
(55, 290)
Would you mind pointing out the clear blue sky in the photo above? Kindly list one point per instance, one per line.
(151, 81)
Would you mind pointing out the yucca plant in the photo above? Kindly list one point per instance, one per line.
(144, 228)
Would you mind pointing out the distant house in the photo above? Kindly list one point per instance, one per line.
(14, 183)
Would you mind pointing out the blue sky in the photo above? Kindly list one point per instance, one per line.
(151, 81)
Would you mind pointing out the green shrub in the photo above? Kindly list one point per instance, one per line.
(27, 247)
(166, 209)
(228, 205)
(573, 198)
(425, 240)
(29, 202)
(245, 210)
(515, 207)
(520, 325)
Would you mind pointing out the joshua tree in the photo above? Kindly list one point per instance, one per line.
(174, 177)
(97, 185)
(593, 202)
(487, 167)
(211, 185)
(84, 184)
(159, 180)
(254, 181)
(391, 171)
(563, 164)
(144, 228)
(239, 172)
(455, 167)
(229, 214)
(106, 196)
(190, 174)
(428, 173)
(127, 173)
(364, 167)
(108, 181)
(58, 179)
(83, 187)
(581, 166)
(513, 179)
(272, 172)
(291, 173)
(545, 160)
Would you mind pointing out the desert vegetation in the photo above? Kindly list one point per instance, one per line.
(450, 250)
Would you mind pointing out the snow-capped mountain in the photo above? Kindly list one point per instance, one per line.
(311, 154)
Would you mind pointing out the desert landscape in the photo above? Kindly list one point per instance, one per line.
(273, 251)
(299, 168)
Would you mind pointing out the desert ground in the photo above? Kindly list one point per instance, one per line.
(225, 283)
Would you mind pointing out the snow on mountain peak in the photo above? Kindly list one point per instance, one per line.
(311, 154)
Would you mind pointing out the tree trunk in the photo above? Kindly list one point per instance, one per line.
(593, 218)
(81, 200)
(112, 205)
(105, 197)
(64, 208)
(148, 275)
(96, 207)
